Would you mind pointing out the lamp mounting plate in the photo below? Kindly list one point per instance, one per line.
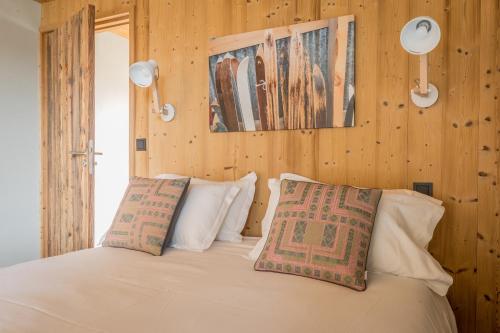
(427, 100)
(167, 112)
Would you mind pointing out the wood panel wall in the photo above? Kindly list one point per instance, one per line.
(455, 144)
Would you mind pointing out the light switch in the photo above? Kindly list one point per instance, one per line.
(140, 144)
(425, 188)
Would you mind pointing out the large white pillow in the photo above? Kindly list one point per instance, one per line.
(404, 226)
(236, 218)
(416, 213)
(202, 215)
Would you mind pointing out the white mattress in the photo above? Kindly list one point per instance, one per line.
(118, 290)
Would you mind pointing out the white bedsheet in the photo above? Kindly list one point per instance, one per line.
(118, 290)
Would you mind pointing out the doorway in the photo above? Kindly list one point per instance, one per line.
(112, 124)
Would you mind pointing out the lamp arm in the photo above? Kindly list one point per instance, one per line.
(167, 111)
(156, 97)
(423, 83)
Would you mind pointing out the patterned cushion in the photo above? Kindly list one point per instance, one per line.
(146, 217)
(322, 232)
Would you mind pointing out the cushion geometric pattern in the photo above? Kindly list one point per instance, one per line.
(146, 216)
(322, 232)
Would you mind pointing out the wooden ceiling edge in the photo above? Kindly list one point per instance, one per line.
(110, 25)
(120, 30)
(111, 21)
(115, 24)
(115, 17)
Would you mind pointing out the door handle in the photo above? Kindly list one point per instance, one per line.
(90, 154)
(78, 153)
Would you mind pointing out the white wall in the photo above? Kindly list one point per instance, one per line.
(111, 127)
(19, 132)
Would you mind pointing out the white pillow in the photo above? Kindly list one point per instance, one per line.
(403, 228)
(237, 215)
(202, 215)
(416, 213)
(404, 225)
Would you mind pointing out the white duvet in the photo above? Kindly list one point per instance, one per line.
(119, 290)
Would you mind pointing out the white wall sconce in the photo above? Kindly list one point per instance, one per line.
(145, 74)
(419, 37)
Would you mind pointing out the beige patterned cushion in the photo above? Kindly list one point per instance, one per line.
(146, 217)
(322, 232)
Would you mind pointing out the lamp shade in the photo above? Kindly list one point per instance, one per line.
(143, 73)
(420, 35)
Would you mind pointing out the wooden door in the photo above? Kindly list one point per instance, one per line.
(67, 81)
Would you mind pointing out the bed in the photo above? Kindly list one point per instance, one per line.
(119, 290)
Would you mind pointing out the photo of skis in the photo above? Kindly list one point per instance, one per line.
(294, 77)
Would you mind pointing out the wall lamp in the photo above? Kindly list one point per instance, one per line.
(419, 37)
(145, 74)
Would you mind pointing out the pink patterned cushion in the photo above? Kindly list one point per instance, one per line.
(322, 232)
(146, 217)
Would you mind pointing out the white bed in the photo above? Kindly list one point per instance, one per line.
(118, 290)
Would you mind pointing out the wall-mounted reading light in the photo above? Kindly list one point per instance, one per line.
(145, 74)
(419, 37)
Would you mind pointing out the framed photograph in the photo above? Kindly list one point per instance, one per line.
(294, 77)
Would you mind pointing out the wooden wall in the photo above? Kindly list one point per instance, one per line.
(454, 144)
